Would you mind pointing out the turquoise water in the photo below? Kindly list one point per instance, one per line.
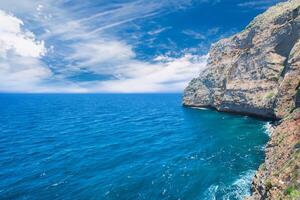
(119, 147)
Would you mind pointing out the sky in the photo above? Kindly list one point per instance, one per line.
(113, 46)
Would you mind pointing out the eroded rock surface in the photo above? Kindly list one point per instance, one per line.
(279, 177)
(256, 71)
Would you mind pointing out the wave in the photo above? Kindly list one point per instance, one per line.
(268, 129)
(238, 190)
(199, 108)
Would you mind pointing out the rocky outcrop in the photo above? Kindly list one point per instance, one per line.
(257, 72)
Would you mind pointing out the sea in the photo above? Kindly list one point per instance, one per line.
(124, 147)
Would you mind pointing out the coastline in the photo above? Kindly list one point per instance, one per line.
(256, 72)
(269, 128)
(262, 117)
(272, 179)
(278, 177)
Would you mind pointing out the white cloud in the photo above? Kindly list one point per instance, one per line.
(20, 65)
(117, 58)
(101, 56)
(194, 34)
(22, 73)
(166, 75)
(13, 38)
(159, 30)
(88, 48)
(259, 5)
(202, 35)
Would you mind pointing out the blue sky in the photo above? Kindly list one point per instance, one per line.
(117, 46)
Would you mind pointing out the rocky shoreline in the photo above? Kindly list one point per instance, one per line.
(279, 176)
(257, 72)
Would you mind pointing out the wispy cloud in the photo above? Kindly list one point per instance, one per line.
(202, 35)
(195, 34)
(86, 43)
(159, 30)
(165, 75)
(260, 5)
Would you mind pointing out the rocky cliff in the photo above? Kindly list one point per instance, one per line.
(279, 177)
(257, 72)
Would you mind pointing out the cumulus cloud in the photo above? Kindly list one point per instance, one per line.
(20, 53)
(13, 38)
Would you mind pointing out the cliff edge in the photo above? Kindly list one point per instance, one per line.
(257, 72)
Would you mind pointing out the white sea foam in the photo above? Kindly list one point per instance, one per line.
(267, 128)
(200, 108)
(237, 190)
(212, 192)
(241, 186)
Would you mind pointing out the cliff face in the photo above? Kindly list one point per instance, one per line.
(257, 72)
(279, 177)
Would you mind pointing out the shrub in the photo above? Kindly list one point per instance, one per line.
(293, 192)
(268, 185)
(270, 95)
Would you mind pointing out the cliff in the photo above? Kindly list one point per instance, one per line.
(257, 72)
(279, 177)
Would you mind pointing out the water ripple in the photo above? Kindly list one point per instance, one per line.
(124, 147)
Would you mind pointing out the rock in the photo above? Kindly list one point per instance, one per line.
(282, 163)
(257, 72)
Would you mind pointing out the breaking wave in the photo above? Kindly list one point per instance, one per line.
(238, 190)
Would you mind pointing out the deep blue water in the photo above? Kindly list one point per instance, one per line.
(119, 147)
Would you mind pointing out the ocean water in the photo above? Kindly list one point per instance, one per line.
(116, 147)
